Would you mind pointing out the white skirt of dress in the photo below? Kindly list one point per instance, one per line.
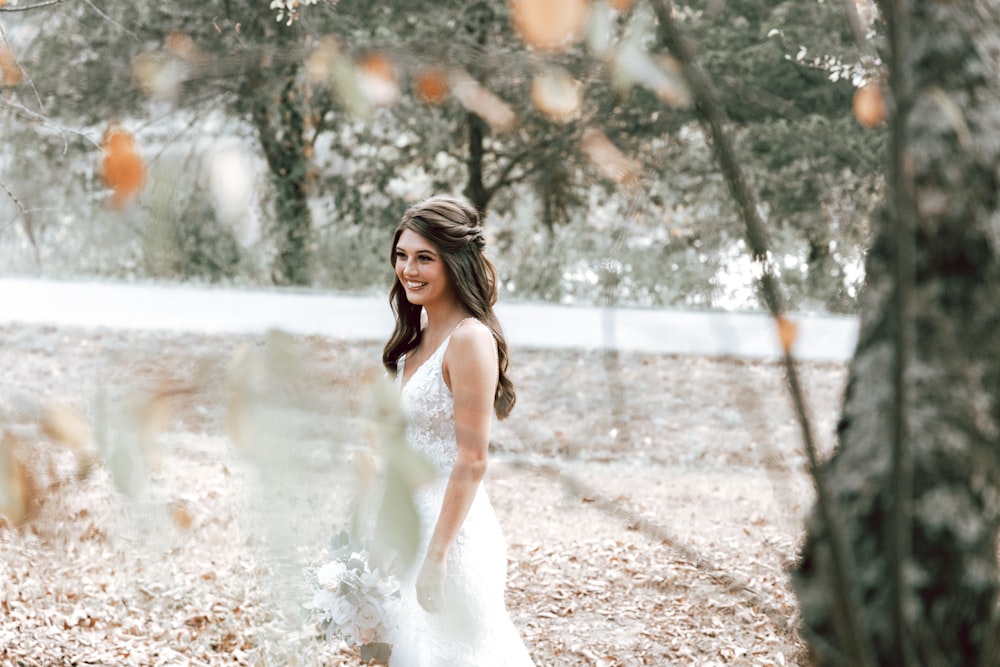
(473, 629)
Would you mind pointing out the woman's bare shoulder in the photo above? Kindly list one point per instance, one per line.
(472, 338)
(472, 330)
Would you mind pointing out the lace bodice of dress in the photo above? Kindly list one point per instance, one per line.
(430, 410)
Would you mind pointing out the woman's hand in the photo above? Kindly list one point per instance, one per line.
(430, 584)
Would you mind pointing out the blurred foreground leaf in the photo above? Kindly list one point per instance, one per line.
(549, 25)
(18, 490)
(557, 94)
(64, 423)
(117, 437)
(11, 74)
(397, 527)
(122, 168)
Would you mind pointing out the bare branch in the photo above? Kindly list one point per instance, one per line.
(860, 39)
(35, 117)
(28, 8)
(26, 221)
(505, 177)
(24, 73)
(109, 19)
(713, 115)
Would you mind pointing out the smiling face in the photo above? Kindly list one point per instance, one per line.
(420, 270)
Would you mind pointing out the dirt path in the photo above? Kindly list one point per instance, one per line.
(651, 503)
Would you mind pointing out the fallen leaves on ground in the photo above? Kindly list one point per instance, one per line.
(186, 575)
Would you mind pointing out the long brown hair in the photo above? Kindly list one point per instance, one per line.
(454, 227)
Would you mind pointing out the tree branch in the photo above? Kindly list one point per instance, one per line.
(35, 117)
(711, 114)
(28, 8)
(26, 221)
(860, 39)
(504, 178)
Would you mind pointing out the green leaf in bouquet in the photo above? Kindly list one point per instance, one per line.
(377, 652)
(339, 541)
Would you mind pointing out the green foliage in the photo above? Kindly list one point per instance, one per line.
(814, 168)
(190, 245)
(183, 238)
(339, 181)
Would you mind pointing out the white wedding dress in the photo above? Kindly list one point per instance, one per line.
(474, 629)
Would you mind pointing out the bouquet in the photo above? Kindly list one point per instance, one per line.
(351, 599)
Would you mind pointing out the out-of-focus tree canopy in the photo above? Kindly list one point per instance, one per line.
(587, 153)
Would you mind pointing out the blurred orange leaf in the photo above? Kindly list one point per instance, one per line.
(787, 333)
(11, 73)
(18, 490)
(550, 25)
(64, 423)
(431, 85)
(181, 516)
(377, 78)
(557, 94)
(182, 46)
(122, 169)
(319, 62)
(869, 105)
(607, 158)
(481, 101)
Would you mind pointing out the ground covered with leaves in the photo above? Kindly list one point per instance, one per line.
(165, 492)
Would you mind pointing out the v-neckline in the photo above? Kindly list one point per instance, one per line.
(405, 381)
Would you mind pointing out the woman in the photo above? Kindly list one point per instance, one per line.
(452, 374)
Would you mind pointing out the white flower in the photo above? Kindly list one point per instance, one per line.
(329, 575)
(319, 602)
(368, 615)
(341, 612)
(355, 602)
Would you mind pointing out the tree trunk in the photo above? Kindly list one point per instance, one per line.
(270, 96)
(475, 190)
(951, 386)
(281, 133)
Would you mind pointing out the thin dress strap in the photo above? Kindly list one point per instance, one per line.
(496, 352)
(461, 322)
